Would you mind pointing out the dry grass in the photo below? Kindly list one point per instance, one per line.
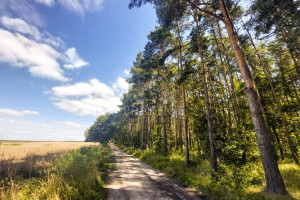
(53, 170)
(27, 159)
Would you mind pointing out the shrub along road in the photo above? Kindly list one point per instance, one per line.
(133, 179)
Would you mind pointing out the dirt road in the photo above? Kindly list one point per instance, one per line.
(132, 179)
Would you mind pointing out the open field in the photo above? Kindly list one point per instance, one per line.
(29, 158)
(17, 151)
(52, 170)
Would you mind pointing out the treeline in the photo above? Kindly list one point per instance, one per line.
(217, 78)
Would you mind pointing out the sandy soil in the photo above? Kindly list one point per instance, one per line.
(133, 179)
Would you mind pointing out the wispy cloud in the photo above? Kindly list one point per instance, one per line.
(70, 124)
(17, 113)
(17, 25)
(89, 98)
(40, 59)
(121, 84)
(46, 2)
(23, 45)
(127, 72)
(28, 11)
(73, 60)
(49, 131)
(82, 6)
(23, 9)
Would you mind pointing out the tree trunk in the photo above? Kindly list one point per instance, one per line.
(291, 51)
(186, 137)
(180, 131)
(180, 113)
(226, 99)
(274, 180)
(165, 128)
(278, 141)
(163, 93)
(213, 152)
(277, 100)
(233, 90)
(176, 128)
(143, 129)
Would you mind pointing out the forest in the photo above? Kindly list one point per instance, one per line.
(218, 80)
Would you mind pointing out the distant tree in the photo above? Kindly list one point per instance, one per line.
(103, 129)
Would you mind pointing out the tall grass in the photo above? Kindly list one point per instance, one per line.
(230, 182)
(76, 175)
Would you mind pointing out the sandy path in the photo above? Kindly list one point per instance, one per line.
(133, 179)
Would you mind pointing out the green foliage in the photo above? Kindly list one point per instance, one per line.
(291, 175)
(77, 175)
(270, 13)
(157, 139)
(169, 68)
(135, 152)
(229, 182)
(103, 129)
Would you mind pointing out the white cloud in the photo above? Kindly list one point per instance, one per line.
(21, 9)
(51, 40)
(78, 89)
(81, 6)
(16, 113)
(121, 84)
(127, 72)
(89, 98)
(39, 58)
(49, 131)
(27, 10)
(19, 25)
(93, 87)
(73, 60)
(26, 46)
(69, 124)
(46, 2)
(89, 105)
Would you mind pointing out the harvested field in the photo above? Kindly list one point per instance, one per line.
(29, 158)
(63, 172)
(18, 151)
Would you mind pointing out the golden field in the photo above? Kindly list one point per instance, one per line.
(28, 158)
(18, 151)
(52, 170)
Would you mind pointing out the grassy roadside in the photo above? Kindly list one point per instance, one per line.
(229, 182)
(76, 175)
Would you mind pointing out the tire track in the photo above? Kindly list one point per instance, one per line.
(133, 179)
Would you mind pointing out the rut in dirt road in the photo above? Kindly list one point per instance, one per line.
(133, 179)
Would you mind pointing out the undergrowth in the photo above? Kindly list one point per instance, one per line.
(76, 175)
(229, 182)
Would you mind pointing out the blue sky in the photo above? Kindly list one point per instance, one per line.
(63, 62)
